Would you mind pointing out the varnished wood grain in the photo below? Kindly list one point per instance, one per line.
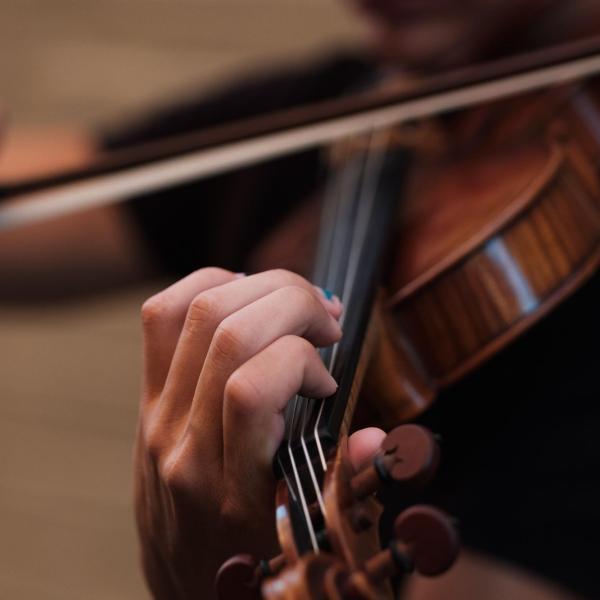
(481, 263)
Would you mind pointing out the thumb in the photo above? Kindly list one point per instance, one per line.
(363, 445)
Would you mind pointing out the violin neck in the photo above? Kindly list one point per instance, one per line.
(358, 219)
(353, 275)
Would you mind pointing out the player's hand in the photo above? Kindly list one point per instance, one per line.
(223, 355)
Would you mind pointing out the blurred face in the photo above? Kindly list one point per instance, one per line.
(438, 33)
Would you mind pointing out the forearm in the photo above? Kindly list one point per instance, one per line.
(34, 152)
(83, 252)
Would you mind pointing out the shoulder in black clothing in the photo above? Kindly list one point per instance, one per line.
(218, 220)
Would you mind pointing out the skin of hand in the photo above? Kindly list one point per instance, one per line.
(223, 354)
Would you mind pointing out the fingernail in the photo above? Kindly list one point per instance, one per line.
(240, 275)
(330, 296)
(334, 385)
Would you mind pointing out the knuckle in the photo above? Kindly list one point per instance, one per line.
(301, 298)
(283, 274)
(214, 272)
(300, 351)
(203, 310)
(178, 469)
(154, 441)
(288, 277)
(154, 310)
(301, 347)
(173, 473)
(226, 344)
(242, 395)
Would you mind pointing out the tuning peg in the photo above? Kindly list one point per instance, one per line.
(409, 455)
(426, 541)
(239, 578)
(428, 538)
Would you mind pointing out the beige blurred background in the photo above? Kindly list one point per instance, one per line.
(85, 61)
(69, 373)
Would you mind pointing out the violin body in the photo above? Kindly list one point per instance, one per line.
(487, 245)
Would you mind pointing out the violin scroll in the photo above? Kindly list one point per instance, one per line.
(352, 565)
(425, 541)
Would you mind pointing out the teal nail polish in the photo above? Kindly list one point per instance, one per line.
(330, 296)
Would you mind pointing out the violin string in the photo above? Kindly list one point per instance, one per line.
(309, 526)
(343, 199)
(311, 469)
(327, 231)
(345, 202)
(328, 234)
(354, 206)
(302, 497)
(317, 437)
(326, 266)
(329, 264)
(287, 479)
(366, 208)
(327, 241)
(372, 172)
(339, 213)
(366, 195)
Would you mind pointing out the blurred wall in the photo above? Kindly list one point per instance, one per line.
(80, 61)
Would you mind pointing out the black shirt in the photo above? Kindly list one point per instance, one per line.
(218, 220)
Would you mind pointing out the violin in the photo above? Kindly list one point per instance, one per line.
(474, 246)
(327, 516)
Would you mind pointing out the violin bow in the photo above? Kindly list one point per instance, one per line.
(166, 163)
